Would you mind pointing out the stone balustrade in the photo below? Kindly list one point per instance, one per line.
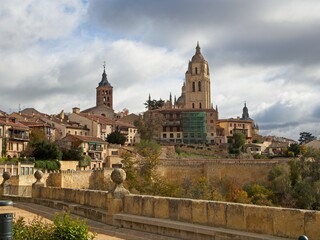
(117, 205)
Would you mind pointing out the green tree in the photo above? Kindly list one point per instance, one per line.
(295, 149)
(259, 194)
(238, 141)
(46, 151)
(74, 153)
(154, 104)
(306, 137)
(116, 137)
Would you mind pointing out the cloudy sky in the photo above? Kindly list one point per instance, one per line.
(263, 52)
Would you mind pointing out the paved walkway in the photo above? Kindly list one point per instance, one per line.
(30, 210)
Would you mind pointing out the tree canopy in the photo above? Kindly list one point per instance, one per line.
(154, 104)
(116, 137)
(306, 137)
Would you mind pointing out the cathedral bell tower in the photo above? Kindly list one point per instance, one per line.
(104, 91)
(197, 83)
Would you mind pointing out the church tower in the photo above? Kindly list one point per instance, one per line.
(197, 83)
(104, 91)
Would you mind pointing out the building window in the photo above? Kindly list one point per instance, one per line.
(200, 105)
(178, 135)
(75, 133)
(164, 135)
(193, 86)
(192, 105)
(171, 135)
(199, 86)
(196, 70)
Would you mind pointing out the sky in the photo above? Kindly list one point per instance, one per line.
(264, 53)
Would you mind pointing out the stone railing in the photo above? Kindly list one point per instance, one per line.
(151, 213)
(282, 222)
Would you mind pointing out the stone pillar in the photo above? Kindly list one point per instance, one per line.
(118, 176)
(6, 176)
(115, 199)
(36, 186)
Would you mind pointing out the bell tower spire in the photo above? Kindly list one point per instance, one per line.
(104, 91)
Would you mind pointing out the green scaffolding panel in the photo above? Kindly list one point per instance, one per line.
(194, 127)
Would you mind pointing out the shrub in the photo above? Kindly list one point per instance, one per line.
(64, 227)
(68, 228)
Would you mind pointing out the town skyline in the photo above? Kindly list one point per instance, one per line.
(263, 53)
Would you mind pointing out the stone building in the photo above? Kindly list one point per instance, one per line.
(190, 118)
(104, 98)
(15, 137)
(100, 126)
(245, 125)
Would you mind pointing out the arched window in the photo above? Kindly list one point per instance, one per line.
(193, 86)
(200, 105)
(196, 70)
(199, 86)
(192, 105)
(104, 99)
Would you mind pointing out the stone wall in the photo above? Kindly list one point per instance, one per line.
(282, 222)
(80, 179)
(243, 171)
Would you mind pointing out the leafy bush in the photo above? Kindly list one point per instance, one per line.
(36, 229)
(48, 165)
(71, 229)
(64, 227)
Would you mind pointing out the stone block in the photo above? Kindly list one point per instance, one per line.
(128, 202)
(288, 222)
(259, 219)
(199, 212)
(136, 205)
(174, 208)
(161, 207)
(185, 210)
(147, 206)
(217, 212)
(69, 195)
(312, 224)
(235, 216)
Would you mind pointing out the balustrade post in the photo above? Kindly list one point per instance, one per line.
(118, 176)
(6, 176)
(36, 186)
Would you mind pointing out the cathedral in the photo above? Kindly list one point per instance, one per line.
(191, 118)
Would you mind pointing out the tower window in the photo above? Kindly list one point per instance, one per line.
(193, 86)
(196, 70)
(104, 99)
(199, 86)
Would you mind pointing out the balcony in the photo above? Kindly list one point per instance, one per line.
(95, 149)
(18, 136)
